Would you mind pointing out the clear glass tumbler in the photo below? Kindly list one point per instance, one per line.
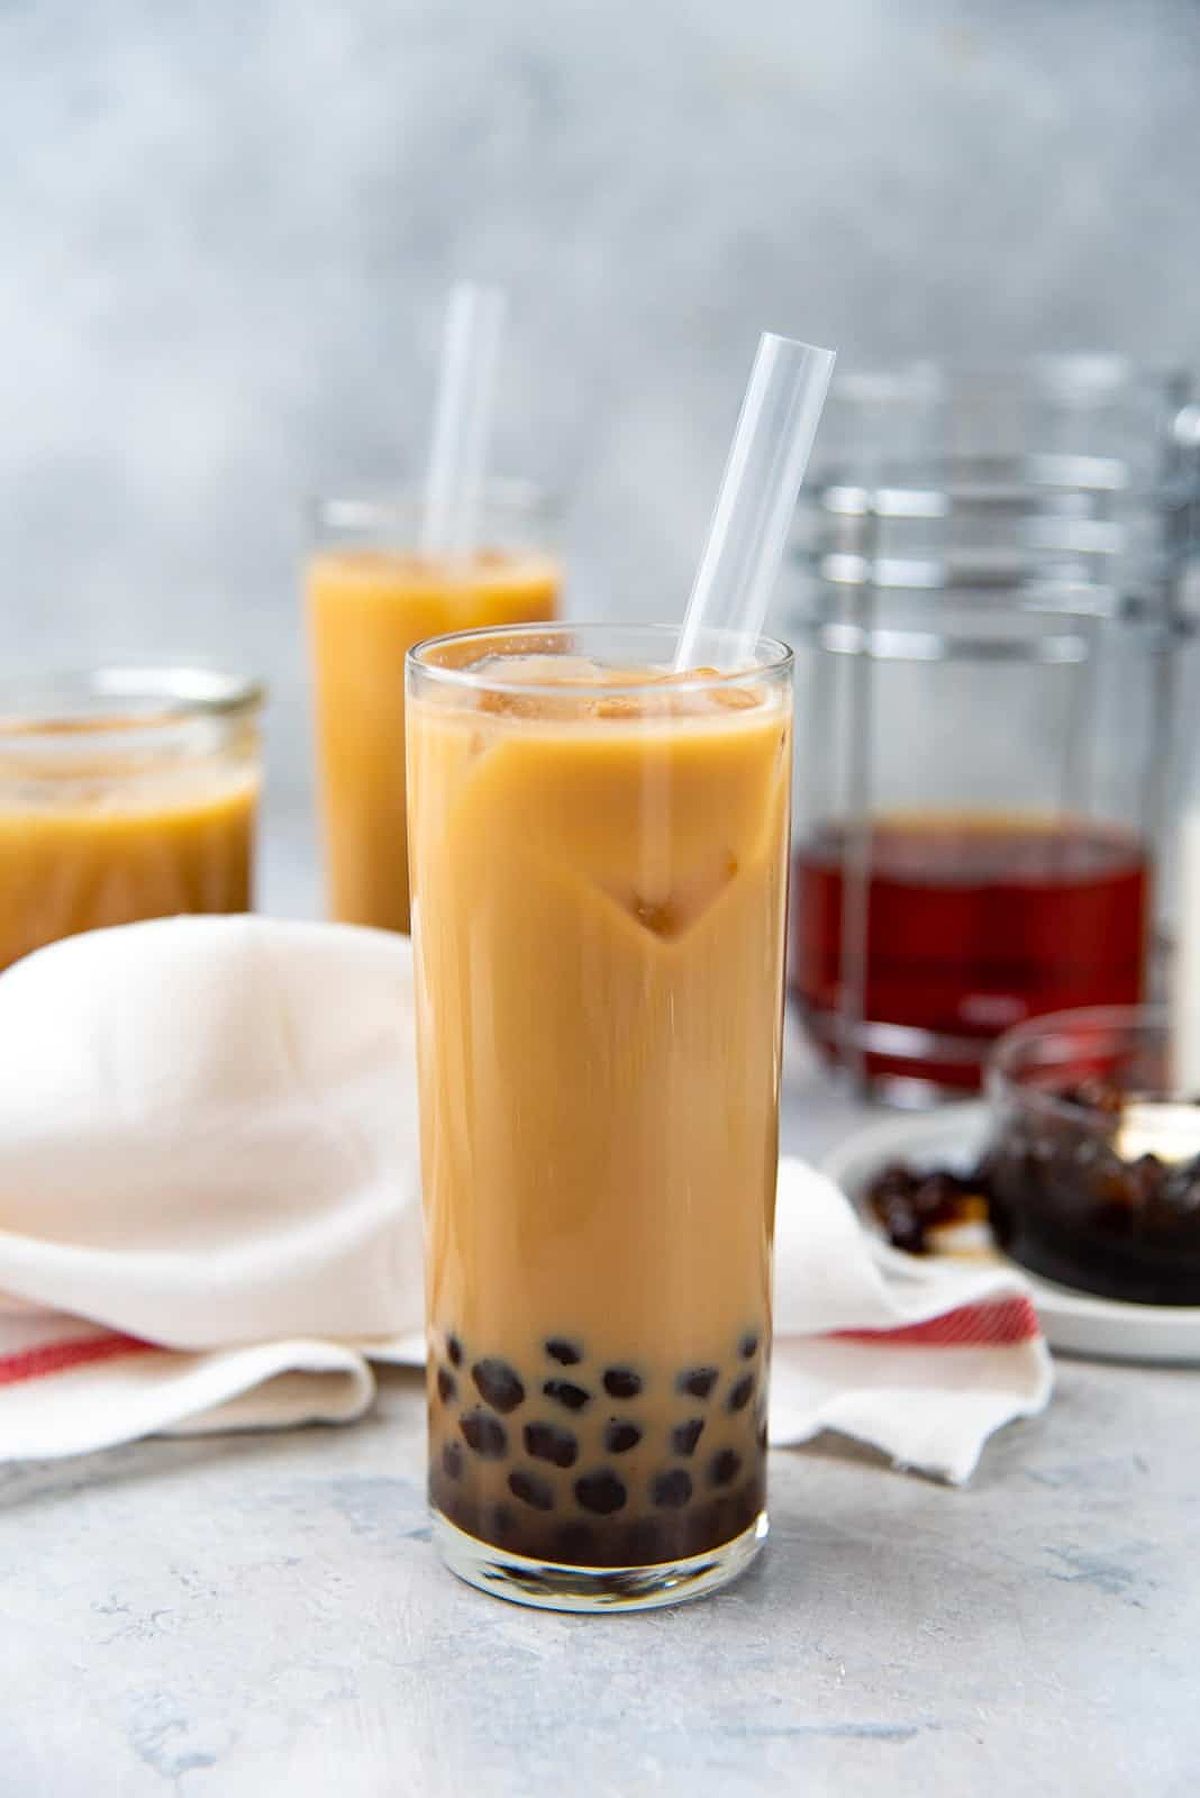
(599, 854)
(371, 594)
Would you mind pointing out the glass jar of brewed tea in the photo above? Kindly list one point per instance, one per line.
(987, 605)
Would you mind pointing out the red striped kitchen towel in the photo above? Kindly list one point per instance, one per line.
(922, 1359)
(210, 1216)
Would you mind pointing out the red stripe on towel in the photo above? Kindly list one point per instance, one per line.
(1001, 1324)
(62, 1357)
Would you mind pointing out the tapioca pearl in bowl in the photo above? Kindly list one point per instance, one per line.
(454, 1349)
(447, 1385)
(748, 1345)
(563, 1350)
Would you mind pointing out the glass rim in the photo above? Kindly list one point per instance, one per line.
(777, 660)
(1122, 1023)
(149, 695)
(372, 505)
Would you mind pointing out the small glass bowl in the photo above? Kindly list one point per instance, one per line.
(1093, 1167)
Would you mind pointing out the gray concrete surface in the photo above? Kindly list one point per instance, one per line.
(263, 1615)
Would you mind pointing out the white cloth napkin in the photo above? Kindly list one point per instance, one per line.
(210, 1215)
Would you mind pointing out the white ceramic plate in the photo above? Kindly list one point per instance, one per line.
(1073, 1321)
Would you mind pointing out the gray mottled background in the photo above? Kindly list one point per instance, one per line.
(228, 225)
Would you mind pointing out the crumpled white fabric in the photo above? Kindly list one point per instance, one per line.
(210, 1211)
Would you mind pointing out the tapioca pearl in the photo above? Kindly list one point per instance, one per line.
(452, 1461)
(455, 1504)
(573, 1541)
(685, 1436)
(447, 1385)
(701, 1531)
(697, 1382)
(601, 1492)
(724, 1468)
(546, 1442)
(566, 1393)
(501, 1523)
(531, 1489)
(645, 1540)
(747, 1503)
(622, 1382)
(711, 1525)
(748, 1346)
(485, 1434)
(620, 1437)
(671, 1490)
(498, 1384)
(761, 1439)
(741, 1392)
(565, 1352)
(454, 1349)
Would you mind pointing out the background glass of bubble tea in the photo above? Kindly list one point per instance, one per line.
(371, 595)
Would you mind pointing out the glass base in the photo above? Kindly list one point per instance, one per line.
(553, 1586)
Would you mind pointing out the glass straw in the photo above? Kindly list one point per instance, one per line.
(462, 419)
(753, 514)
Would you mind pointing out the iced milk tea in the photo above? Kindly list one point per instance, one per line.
(599, 853)
(369, 598)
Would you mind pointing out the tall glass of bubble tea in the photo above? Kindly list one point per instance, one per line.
(599, 856)
(373, 591)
